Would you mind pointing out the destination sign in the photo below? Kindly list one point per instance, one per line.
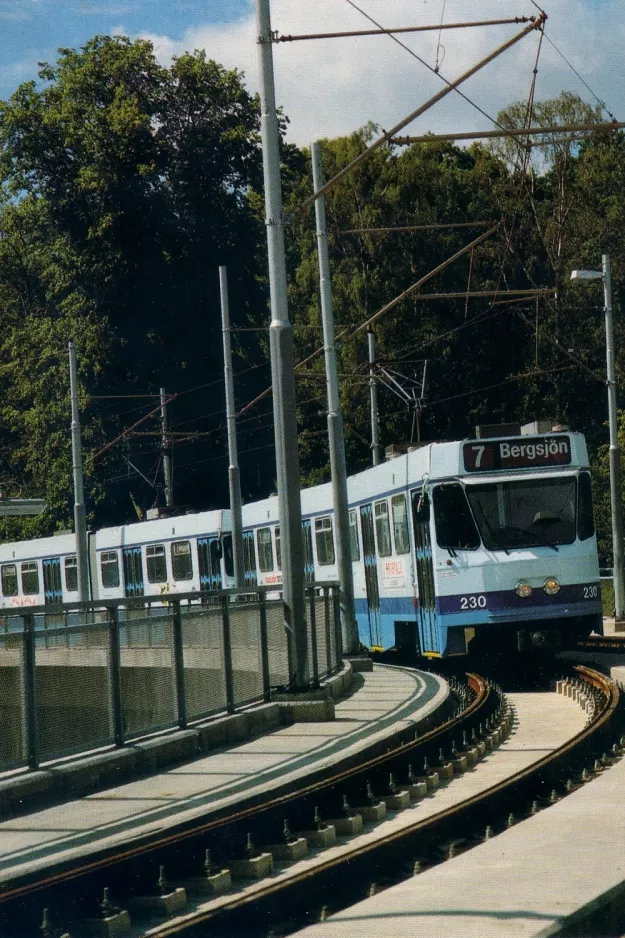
(517, 453)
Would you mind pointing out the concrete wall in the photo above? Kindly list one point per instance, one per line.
(73, 694)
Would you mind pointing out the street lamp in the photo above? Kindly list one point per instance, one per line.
(605, 274)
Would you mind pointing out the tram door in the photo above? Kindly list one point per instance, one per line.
(371, 575)
(52, 588)
(209, 554)
(249, 559)
(309, 563)
(425, 572)
(133, 571)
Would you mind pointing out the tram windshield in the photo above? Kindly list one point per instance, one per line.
(530, 513)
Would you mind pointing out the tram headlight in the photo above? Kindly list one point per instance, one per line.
(523, 589)
(551, 586)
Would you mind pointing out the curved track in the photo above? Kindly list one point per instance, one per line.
(73, 893)
(283, 902)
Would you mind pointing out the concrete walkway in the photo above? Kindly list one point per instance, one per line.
(383, 702)
(522, 881)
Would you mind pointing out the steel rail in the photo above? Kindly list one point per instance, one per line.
(321, 786)
(394, 849)
(614, 643)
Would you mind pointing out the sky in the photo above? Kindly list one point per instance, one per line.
(332, 87)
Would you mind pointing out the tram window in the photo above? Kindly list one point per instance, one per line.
(181, 562)
(325, 541)
(228, 554)
(30, 578)
(156, 563)
(528, 513)
(71, 574)
(9, 579)
(109, 568)
(353, 535)
(455, 527)
(278, 549)
(400, 524)
(265, 550)
(420, 506)
(586, 522)
(249, 554)
(382, 529)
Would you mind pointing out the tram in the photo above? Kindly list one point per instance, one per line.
(477, 542)
(486, 541)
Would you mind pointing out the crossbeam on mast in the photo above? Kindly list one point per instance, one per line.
(277, 37)
(537, 291)
(433, 227)
(347, 335)
(513, 132)
(537, 23)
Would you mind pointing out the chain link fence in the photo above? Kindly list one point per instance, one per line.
(84, 677)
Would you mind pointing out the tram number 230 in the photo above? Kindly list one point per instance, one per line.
(473, 602)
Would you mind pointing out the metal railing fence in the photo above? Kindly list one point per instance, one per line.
(78, 677)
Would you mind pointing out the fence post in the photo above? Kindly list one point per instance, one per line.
(181, 700)
(329, 633)
(336, 602)
(264, 646)
(117, 711)
(313, 635)
(227, 655)
(30, 695)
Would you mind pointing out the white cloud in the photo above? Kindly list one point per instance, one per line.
(332, 87)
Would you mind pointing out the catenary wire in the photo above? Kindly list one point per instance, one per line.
(574, 70)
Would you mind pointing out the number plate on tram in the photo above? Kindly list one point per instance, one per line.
(517, 453)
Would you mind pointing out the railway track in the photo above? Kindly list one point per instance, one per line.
(608, 643)
(243, 847)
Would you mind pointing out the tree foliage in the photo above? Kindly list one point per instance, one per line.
(125, 184)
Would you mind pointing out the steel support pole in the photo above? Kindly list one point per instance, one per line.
(80, 517)
(166, 450)
(282, 366)
(615, 453)
(376, 449)
(234, 476)
(336, 436)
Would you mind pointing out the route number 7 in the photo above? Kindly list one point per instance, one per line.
(480, 452)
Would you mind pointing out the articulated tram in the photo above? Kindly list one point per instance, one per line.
(452, 545)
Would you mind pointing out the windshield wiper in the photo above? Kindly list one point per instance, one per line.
(490, 530)
(526, 531)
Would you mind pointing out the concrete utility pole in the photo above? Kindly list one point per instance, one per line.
(80, 518)
(616, 496)
(335, 421)
(614, 453)
(282, 367)
(234, 477)
(166, 452)
(376, 449)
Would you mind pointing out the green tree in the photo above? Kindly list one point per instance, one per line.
(125, 186)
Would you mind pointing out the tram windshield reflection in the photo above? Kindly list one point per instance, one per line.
(532, 513)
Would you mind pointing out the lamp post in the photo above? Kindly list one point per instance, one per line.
(605, 275)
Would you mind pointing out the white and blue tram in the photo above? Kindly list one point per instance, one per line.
(182, 554)
(452, 544)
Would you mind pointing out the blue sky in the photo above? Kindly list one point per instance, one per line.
(336, 86)
(32, 30)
